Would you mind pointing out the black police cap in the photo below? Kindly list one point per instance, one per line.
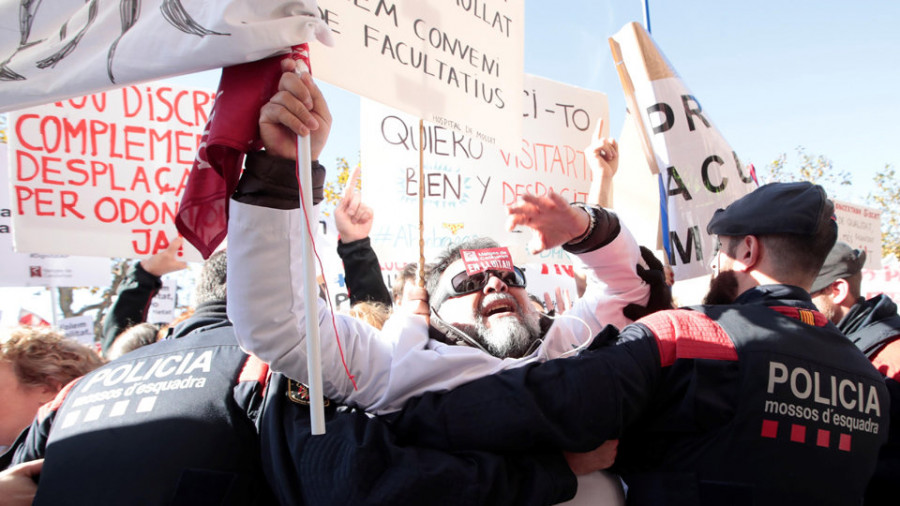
(775, 208)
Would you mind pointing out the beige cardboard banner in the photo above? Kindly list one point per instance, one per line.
(468, 182)
(698, 169)
(860, 227)
(456, 64)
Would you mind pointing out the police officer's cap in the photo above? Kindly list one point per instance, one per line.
(842, 262)
(776, 208)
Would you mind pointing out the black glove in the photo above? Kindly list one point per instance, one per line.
(660, 291)
(607, 337)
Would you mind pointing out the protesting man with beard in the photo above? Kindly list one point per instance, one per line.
(756, 400)
(487, 309)
(874, 326)
(401, 362)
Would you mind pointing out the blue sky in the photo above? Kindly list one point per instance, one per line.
(772, 75)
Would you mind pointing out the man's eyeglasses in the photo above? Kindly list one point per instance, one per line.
(463, 283)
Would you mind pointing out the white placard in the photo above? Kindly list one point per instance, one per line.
(546, 278)
(699, 172)
(162, 306)
(860, 227)
(79, 328)
(56, 49)
(885, 280)
(35, 269)
(468, 184)
(103, 175)
(457, 64)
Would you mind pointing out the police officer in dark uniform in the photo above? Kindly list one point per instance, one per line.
(754, 398)
(874, 326)
(170, 423)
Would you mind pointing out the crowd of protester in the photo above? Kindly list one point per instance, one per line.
(457, 386)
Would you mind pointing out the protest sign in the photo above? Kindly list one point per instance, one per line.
(546, 278)
(698, 170)
(860, 227)
(882, 281)
(468, 183)
(455, 64)
(55, 49)
(79, 328)
(103, 175)
(162, 305)
(35, 269)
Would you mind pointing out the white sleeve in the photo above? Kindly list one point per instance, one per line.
(612, 284)
(266, 305)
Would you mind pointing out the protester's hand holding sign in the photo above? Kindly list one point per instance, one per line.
(415, 301)
(297, 109)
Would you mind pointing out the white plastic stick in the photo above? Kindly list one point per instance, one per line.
(311, 286)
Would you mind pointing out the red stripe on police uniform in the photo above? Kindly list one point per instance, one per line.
(685, 334)
(769, 429)
(806, 316)
(887, 361)
(254, 370)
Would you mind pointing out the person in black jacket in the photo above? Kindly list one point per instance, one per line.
(133, 295)
(754, 398)
(362, 272)
(874, 326)
(170, 423)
